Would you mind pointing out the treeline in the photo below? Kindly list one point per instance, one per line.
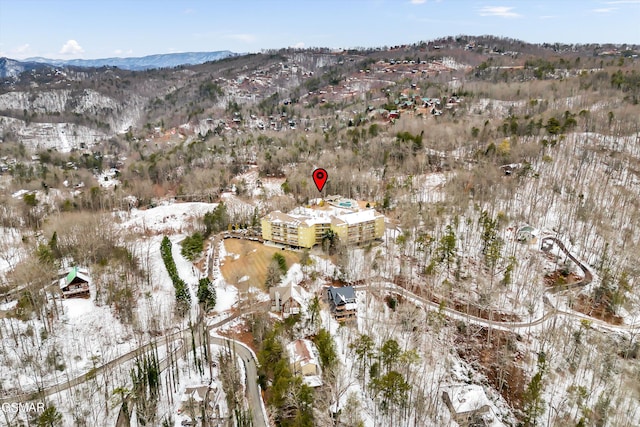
(289, 398)
(389, 370)
(145, 392)
(291, 401)
(183, 298)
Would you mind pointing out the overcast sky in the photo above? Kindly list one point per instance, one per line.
(98, 29)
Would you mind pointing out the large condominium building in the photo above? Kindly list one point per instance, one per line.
(305, 227)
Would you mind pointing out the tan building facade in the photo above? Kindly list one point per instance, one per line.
(305, 227)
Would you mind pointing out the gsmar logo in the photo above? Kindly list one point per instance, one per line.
(23, 407)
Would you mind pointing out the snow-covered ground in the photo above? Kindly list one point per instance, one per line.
(10, 250)
(237, 206)
(429, 188)
(155, 309)
(256, 186)
(166, 218)
(63, 137)
(226, 294)
(85, 336)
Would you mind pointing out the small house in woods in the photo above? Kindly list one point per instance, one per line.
(526, 234)
(510, 169)
(304, 361)
(468, 405)
(196, 394)
(197, 398)
(287, 300)
(75, 284)
(343, 302)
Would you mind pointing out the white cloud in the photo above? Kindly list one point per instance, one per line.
(23, 49)
(71, 47)
(245, 38)
(418, 1)
(298, 45)
(501, 11)
(120, 52)
(18, 52)
(604, 10)
(623, 2)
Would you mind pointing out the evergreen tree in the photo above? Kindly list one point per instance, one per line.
(192, 246)
(216, 220)
(206, 294)
(363, 347)
(282, 262)
(326, 349)
(532, 399)
(389, 353)
(50, 417)
(447, 246)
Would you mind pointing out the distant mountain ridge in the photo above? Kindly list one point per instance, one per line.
(166, 60)
(12, 68)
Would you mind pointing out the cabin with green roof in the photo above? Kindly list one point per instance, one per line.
(75, 284)
(526, 234)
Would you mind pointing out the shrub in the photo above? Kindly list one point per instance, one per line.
(282, 262)
(206, 293)
(192, 246)
(183, 297)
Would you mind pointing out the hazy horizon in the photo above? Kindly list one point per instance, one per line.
(93, 30)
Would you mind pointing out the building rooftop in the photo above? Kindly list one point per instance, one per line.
(335, 211)
(342, 295)
(302, 351)
(292, 291)
(74, 273)
(466, 398)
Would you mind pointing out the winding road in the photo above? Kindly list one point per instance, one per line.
(588, 277)
(253, 389)
(384, 285)
(184, 336)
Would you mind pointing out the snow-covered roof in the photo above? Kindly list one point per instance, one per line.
(197, 393)
(286, 292)
(360, 216)
(74, 273)
(303, 352)
(468, 397)
(332, 213)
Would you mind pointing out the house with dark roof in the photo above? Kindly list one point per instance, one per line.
(343, 303)
(75, 284)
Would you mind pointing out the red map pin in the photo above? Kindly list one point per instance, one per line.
(320, 178)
